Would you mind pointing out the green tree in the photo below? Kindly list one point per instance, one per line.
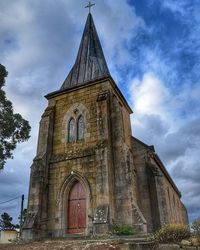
(13, 128)
(6, 221)
(24, 214)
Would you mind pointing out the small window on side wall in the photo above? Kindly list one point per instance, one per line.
(80, 128)
(71, 130)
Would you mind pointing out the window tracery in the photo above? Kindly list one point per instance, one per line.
(75, 125)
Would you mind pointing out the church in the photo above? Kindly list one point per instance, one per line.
(90, 171)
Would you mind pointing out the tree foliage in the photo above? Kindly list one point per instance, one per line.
(24, 215)
(6, 221)
(13, 128)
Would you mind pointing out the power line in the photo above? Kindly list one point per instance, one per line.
(10, 200)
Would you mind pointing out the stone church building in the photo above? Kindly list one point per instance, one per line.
(89, 171)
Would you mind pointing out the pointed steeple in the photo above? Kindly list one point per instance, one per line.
(90, 63)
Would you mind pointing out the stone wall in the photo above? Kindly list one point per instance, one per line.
(102, 162)
(35, 223)
(87, 160)
(158, 197)
(176, 209)
(103, 158)
(143, 191)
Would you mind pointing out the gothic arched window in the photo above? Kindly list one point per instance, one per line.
(80, 128)
(71, 130)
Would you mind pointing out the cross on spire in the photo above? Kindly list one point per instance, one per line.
(89, 6)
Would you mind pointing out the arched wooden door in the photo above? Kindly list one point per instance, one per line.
(76, 209)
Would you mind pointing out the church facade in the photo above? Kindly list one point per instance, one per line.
(89, 171)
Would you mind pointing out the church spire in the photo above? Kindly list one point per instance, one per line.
(90, 63)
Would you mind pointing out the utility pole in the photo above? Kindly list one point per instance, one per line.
(21, 214)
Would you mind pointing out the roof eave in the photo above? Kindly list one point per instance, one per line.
(89, 83)
(83, 85)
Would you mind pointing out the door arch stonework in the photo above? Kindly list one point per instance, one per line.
(62, 202)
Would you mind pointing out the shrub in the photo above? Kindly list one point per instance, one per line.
(120, 229)
(196, 226)
(172, 233)
(196, 229)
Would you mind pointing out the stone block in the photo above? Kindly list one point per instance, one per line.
(169, 247)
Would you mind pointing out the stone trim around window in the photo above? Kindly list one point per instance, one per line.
(75, 124)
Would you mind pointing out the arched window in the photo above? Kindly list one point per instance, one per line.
(71, 130)
(80, 128)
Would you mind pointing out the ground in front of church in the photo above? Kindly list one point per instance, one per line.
(61, 245)
(112, 243)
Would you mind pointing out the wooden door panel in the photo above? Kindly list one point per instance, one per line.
(73, 195)
(77, 209)
(81, 214)
(72, 214)
(81, 192)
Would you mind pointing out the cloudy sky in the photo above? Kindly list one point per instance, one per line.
(153, 52)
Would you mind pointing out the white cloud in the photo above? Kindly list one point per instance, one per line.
(117, 37)
(149, 96)
(175, 6)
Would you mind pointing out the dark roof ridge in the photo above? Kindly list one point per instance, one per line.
(151, 147)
